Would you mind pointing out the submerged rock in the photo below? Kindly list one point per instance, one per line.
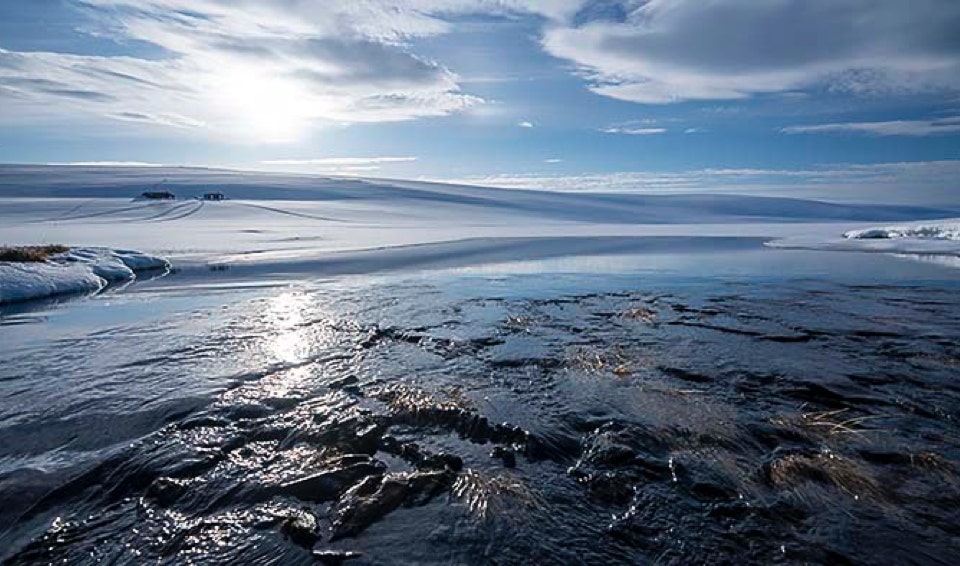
(507, 455)
(704, 482)
(343, 382)
(329, 484)
(420, 458)
(164, 491)
(418, 408)
(374, 498)
(349, 428)
(302, 528)
(248, 411)
(616, 457)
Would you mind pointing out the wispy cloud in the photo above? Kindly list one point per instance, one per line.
(917, 128)
(553, 160)
(634, 131)
(525, 124)
(172, 120)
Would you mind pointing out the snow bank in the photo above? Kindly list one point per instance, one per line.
(24, 281)
(112, 265)
(81, 270)
(949, 231)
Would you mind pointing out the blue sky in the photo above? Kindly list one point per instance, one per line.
(568, 94)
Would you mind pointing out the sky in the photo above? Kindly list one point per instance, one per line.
(637, 95)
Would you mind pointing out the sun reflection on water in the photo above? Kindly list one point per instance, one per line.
(287, 336)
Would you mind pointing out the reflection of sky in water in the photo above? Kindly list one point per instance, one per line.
(665, 270)
(760, 263)
(283, 312)
(941, 260)
(39, 322)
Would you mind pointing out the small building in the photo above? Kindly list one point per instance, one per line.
(213, 196)
(159, 195)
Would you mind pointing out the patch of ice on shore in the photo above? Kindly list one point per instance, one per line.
(949, 231)
(80, 270)
(928, 239)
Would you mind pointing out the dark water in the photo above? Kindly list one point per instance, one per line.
(790, 407)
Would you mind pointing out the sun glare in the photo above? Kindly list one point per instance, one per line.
(265, 107)
(288, 342)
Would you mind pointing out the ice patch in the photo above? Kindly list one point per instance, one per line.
(81, 270)
(919, 231)
(922, 238)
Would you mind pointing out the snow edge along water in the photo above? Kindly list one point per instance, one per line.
(80, 270)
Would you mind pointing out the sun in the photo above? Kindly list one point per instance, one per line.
(264, 107)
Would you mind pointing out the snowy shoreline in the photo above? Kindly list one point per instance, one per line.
(80, 270)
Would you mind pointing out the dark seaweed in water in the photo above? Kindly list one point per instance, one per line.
(755, 425)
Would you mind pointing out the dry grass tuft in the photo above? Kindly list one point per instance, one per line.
(594, 361)
(831, 423)
(937, 465)
(406, 399)
(825, 467)
(519, 322)
(642, 314)
(456, 396)
(494, 496)
(31, 254)
(931, 461)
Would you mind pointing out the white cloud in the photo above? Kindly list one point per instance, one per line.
(340, 161)
(271, 70)
(634, 131)
(525, 124)
(264, 70)
(914, 128)
(661, 51)
(553, 160)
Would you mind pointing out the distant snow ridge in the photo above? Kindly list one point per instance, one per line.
(918, 231)
(81, 270)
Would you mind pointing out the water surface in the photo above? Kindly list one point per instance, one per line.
(733, 406)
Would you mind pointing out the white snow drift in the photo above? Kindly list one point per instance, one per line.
(81, 270)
